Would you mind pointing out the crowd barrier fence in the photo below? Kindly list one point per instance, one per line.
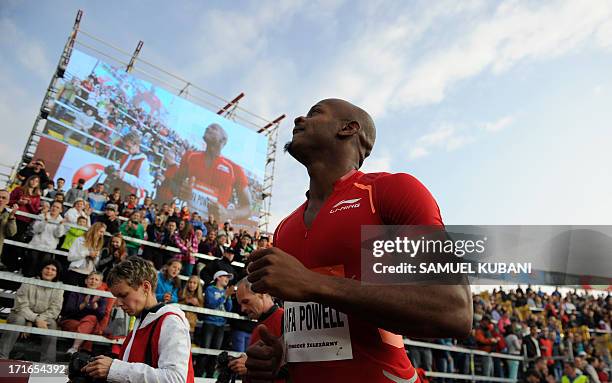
(136, 240)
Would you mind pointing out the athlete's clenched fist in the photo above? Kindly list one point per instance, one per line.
(264, 358)
(281, 275)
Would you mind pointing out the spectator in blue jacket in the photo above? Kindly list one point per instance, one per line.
(168, 282)
(217, 297)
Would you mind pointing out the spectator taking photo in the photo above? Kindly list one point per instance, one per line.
(158, 348)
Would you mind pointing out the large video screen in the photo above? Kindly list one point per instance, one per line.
(108, 126)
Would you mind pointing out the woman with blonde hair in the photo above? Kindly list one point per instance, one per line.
(84, 254)
(112, 255)
(192, 295)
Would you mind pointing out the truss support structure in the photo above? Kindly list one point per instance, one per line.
(271, 131)
(130, 66)
(230, 108)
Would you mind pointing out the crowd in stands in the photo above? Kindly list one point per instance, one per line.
(96, 230)
(557, 333)
(564, 337)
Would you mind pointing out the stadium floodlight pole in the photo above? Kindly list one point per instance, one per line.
(271, 130)
(43, 113)
(130, 66)
(233, 103)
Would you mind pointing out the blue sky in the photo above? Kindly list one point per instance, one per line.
(500, 108)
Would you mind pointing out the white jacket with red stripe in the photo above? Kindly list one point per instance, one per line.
(174, 351)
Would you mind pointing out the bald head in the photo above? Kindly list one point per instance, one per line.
(351, 113)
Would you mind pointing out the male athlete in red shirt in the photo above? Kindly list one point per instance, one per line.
(208, 178)
(335, 328)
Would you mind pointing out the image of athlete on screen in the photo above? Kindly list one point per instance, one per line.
(207, 180)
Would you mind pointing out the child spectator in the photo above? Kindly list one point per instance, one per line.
(171, 238)
(130, 206)
(59, 188)
(110, 219)
(82, 312)
(112, 255)
(217, 298)
(36, 306)
(208, 245)
(187, 244)
(47, 233)
(74, 232)
(84, 254)
(134, 229)
(49, 189)
(191, 295)
(59, 197)
(115, 198)
(97, 199)
(168, 282)
(244, 248)
(156, 234)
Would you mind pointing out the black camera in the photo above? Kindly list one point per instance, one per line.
(78, 360)
(226, 375)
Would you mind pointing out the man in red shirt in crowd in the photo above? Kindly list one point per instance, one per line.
(315, 267)
(546, 346)
(207, 179)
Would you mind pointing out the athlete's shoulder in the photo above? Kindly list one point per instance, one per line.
(191, 156)
(226, 161)
(403, 199)
(290, 220)
(397, 180)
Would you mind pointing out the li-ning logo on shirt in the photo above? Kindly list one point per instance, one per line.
(345, 205)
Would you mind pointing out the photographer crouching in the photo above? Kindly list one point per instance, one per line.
(158, 349)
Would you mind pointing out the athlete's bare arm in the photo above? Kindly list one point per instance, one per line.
(417, 311)
(243, 210)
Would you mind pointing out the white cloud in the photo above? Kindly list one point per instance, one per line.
(499, 124)
(418, 152)
(517, 31)
(449, 137)
(231, 38)
(378, 162)
(29, 52)
(396, 60)
(446, 137)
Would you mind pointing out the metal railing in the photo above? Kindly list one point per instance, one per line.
(131, 239)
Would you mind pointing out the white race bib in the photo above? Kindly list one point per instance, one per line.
(314, 332)
(200, 197)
